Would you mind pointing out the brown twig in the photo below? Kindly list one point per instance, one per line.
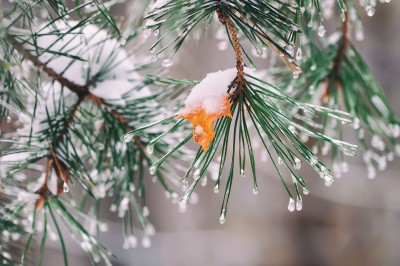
(236, 46)
(341, 52)
(83, 93)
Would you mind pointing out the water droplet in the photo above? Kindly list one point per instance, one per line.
(145, 211)
(154, 58)
(371, 172)
(153, 170)
(321, 31)
(297, 163)
(203, 182)
(196, 174)
(156, 32)
(150, 148)
(305, 191)
(292, 205)
(242, 173)
(146, 33)
(222, 217)
(146, 241)
(296, 75)
(280, 161)
(370, 10)
(128, 138)
(328, 180)
(255, 190)
(8, 119)
(166, 63)
(65, 187)
(299, 205)
(216, 188)
(299, 54)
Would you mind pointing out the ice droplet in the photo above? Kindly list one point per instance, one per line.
(166, 63)
(153, 170)
(242, 173)
(297, 163)
(299, 54)
(150, 148)
(299, 205)
(154, 58)
(321, 31)
(128, 138)
(255, 190)
(145, 211)
(222, 217)
(370, 10)
(146, 242)
(292, 205)
(328, 180)
(65, 187)
(196, 174)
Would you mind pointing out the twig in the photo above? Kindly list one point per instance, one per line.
(341, 52)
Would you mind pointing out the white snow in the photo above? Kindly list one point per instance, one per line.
(210, 92)
(158, 4)
(102, 55)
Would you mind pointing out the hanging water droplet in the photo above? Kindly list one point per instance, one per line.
(299, 54)
(146, 241)
(299, 205)
(321, 31)
(65, 187)
(242, 173)
(295, 75)
(297, 163)
(255, 190)
(328, 180)
(153, 170)
(154, 58)
(305, 191)
(292, 205)
(370, 10)
(128, 138)
(222, 217)
(146, 33)
(145, 211)
(196, 174)
(156, 32)
(216, 188)
(280, 161)
(185, 183)
(166, 63)
(150, 148)
(8, 121)
(371, 172)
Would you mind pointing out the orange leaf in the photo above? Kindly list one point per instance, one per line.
(202, 122)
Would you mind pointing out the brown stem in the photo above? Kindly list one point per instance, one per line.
(236, 45)
(78, 89)
(83, 93)
(341, 52)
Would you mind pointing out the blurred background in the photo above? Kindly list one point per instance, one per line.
(354, 222)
